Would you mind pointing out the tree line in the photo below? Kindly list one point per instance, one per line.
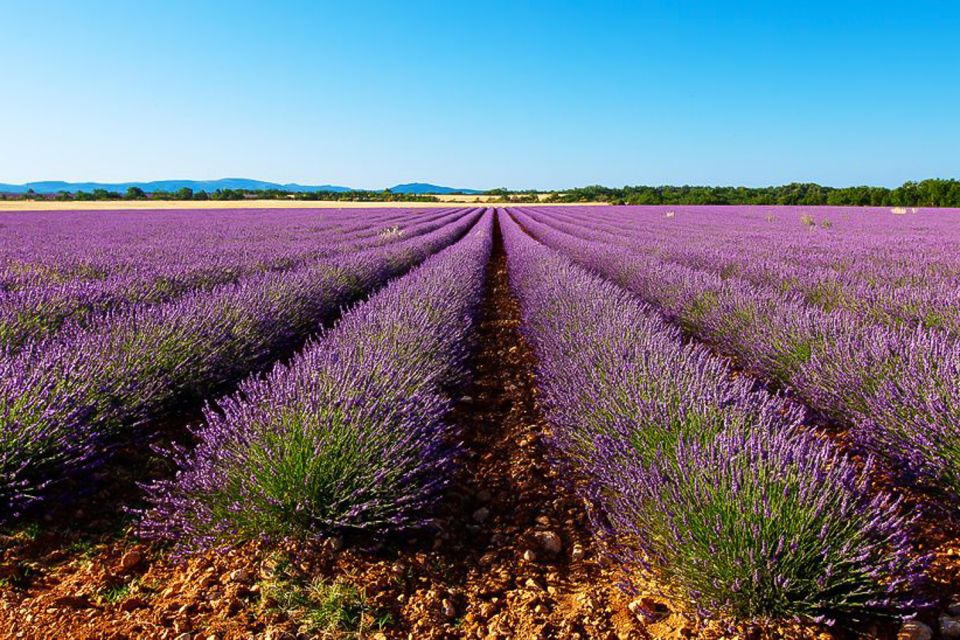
(926, 193)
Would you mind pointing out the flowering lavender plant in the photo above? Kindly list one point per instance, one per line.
(762, 525)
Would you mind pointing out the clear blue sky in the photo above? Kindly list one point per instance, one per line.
(485, 94)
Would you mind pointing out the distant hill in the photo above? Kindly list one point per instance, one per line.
(54, 186)
(423, 188)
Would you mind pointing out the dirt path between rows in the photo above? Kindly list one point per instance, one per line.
(519, 558)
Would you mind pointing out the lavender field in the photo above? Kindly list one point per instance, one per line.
(606, 421)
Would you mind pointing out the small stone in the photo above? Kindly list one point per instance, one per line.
(448, 608)
(72, 602)
(466, 399)
(530, 555)
(577, 552)
(481, 514)
(131, 604)
(8, 571)
(131, 559)
(239, 575)
(549, 541)
(647, 607)
(914, 630)
(949, 627)
(532, 584)
(484, 496)
(954, 608)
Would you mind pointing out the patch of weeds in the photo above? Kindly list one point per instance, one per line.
(117, 593)
(334, 609)
(82, 547)
(31, 531)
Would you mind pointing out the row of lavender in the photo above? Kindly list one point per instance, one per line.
(37, 312)
(351, 435)
(867, 263)
(64, 401)
(711, 483)
(896, 388)
(43, 248)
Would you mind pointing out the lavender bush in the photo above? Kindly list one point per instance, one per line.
(351, 435)
(763, 525)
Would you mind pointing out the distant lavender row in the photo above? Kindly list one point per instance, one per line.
(897, 388)
(351, 435)
(867, 263)
(43, 248)
(50, 248)
(708, 482)
(37, 312)
(63, 401)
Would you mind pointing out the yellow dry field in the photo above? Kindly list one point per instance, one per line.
(476, 198)
(445, 201)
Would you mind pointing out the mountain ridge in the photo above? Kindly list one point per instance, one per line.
(55, 186)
